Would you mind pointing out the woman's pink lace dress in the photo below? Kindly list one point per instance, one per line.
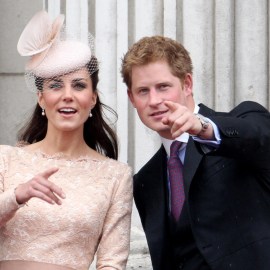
(95, 216)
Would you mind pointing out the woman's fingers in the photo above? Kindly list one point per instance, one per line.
(49, 172)
(47, 197)
(40, 187)
(47, 191)
(51, 186)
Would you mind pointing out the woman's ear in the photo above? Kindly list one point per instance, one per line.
(40, 99)
(94, 99)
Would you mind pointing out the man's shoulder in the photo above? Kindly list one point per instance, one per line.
(249, 106)
(244, 106)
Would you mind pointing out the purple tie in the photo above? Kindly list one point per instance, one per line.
(175, 168)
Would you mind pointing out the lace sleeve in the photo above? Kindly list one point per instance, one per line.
(113, 249)
(8, 203)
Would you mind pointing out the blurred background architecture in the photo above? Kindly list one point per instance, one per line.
(228, 41)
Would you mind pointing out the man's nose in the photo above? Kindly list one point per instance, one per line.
(154, 97)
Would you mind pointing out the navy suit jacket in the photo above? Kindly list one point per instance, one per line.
(227, 194)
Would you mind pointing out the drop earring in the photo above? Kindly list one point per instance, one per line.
(43, 112)
(90, 114)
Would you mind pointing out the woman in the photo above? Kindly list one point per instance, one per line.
(63, 195)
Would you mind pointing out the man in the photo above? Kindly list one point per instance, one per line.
(224, 221)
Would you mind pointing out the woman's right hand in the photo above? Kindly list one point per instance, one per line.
(40, 187)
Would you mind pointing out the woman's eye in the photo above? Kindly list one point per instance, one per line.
(79, 86)
(55, 86)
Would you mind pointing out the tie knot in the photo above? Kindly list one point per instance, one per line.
(174, 148)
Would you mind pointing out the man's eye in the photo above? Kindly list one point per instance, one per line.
(163, 86)
(143, 91)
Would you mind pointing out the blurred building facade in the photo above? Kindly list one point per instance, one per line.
(228, 41)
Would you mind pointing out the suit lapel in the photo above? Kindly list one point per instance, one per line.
(193, 155)
(193, 158)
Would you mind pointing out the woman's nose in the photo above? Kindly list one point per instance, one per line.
(67, 93)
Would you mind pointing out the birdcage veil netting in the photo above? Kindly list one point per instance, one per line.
(53, 50)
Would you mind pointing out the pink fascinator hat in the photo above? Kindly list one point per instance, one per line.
(52, 51)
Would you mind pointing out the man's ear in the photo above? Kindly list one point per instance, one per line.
(131, 98)
(188, 84)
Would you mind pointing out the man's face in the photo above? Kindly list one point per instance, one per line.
(152, 84)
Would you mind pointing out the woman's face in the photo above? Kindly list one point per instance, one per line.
(68, 100)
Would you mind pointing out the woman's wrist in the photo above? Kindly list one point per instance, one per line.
(20, 204)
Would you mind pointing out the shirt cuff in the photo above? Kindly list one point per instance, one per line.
(208, 146)
(211, 143)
